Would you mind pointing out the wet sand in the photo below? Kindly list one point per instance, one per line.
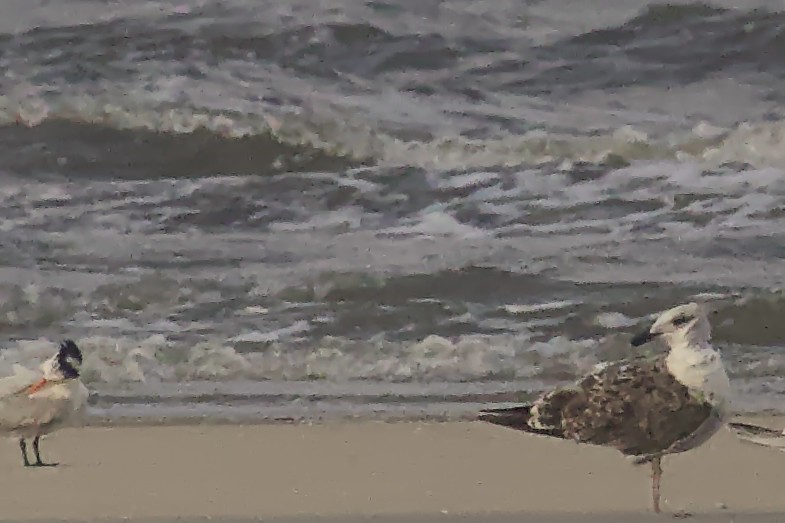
(380, 472)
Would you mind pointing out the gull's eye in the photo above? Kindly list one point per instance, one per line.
(681, 320)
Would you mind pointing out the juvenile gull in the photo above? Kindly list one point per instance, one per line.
(33, 404)
(645, 407)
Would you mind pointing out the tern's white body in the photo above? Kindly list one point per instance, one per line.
(29, 415)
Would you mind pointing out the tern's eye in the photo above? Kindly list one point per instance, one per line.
(681, 320)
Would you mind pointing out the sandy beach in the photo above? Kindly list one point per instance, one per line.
(381, 471)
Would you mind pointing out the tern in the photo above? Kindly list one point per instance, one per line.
(36, 403)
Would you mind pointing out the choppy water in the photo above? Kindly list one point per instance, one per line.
(286, 209)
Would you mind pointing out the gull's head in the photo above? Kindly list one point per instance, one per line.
(66, 364)
(685, 324)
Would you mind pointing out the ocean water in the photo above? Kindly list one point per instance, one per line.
(314, 209)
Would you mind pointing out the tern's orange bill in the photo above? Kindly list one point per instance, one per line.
(35, 387)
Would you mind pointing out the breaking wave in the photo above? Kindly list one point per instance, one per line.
(180, 143)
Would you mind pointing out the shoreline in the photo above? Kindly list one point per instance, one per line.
(402, 471)
(99, 421)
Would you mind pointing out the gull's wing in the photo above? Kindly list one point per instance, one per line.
(759, 435)
(634, 405)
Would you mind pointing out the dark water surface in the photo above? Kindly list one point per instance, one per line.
(397, 208)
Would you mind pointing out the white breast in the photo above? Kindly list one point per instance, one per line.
(702, 371)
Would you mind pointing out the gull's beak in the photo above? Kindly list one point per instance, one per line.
(642, 337)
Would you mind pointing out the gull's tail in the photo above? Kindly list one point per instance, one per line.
(759, 435)
(515, 418)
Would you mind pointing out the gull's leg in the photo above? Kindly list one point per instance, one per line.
(656, 476)
(38, 462)
(23, 447)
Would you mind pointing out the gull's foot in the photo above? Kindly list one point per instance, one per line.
(682, 514)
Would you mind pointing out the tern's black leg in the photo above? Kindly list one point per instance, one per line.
(23, 446)
(38, 462)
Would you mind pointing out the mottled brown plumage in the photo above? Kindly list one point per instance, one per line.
(635, 406)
